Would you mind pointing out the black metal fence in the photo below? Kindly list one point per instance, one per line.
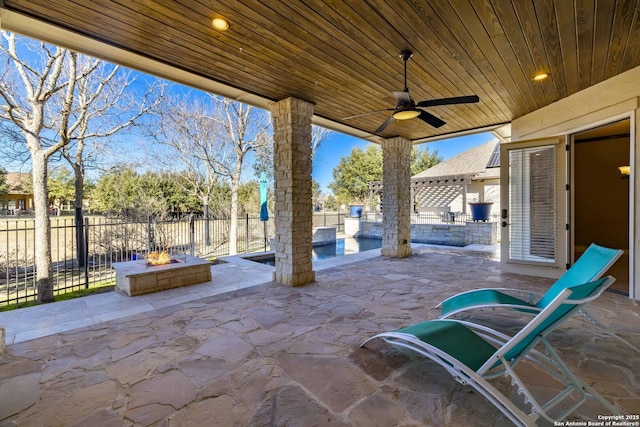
(435, 217)
(111, 240)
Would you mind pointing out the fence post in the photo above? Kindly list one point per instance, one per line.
(78, 223)
(86, 253)
(148, 233)
(207, 237)
(192, 230)
(247, 234)
(325, 219)
(265, 235)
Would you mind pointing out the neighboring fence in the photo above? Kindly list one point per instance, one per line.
(433, 217)
(329, 219)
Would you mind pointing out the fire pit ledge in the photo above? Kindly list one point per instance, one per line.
(136, 278)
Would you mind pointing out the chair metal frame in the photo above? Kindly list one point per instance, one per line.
(509, 352)
(596, 260)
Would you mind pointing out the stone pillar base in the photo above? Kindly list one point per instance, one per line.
(297, 279)
(400, 250)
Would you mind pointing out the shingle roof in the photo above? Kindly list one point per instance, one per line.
(471, 162)
(15, 181)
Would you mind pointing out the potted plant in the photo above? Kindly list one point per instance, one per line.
(480, 211)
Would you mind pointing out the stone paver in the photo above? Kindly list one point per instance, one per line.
(273, 355)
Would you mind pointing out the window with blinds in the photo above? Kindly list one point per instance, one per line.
(532, 203)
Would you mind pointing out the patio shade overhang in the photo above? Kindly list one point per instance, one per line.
(343, 56)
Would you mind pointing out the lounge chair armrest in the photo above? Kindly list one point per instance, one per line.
(531, 297)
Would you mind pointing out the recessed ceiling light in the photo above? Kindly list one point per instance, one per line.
(540, 76)
(220, 24)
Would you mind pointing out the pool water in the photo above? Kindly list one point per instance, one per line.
(344, 246)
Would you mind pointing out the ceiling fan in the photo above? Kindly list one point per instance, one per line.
(407, 108)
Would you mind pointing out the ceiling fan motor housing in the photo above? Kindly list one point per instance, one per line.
(406, 108)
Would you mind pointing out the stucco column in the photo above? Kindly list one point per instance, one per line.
(396, 198)
(293, 204)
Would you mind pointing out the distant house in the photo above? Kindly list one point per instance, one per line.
(19, 199)
(448, 187)
(471, 176)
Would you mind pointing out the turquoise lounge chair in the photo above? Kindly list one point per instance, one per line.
(474, 354)
(593, 263)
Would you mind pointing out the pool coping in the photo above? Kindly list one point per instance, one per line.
(337, 261)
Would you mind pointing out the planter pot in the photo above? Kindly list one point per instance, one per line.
(355, 211)
(480, 211)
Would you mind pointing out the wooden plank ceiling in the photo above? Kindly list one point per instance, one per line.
(343, 55)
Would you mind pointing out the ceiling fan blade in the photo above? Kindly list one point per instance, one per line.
(384, 125)
(431, 119)
(366, 114)
(448, 101)
(402, 97)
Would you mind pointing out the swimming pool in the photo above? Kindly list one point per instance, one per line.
(344, 246)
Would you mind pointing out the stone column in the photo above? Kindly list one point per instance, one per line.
(396, 205)
(293, 203)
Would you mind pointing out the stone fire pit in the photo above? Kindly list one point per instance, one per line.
(137, 278)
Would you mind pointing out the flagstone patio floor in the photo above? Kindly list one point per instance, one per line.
(243, 351)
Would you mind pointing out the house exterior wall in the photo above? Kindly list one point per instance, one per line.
(611, 100)
(13, 202)
(17, 200)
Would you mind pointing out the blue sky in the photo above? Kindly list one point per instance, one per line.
(340, 145)
(327, 156)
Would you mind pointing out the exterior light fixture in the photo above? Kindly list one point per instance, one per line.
(220, 24)
(625, 171)
(406, 113)
(540, 76)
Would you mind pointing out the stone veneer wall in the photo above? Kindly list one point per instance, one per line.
(482, 233)
(134, 278)
(396, 198)
(293, 202)
(352, 226)
(324, 235)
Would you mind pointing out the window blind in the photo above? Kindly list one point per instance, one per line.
(532, 204)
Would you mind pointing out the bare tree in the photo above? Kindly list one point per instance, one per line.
(319, 136)
(211, 140)
(56, 101)
(103, 105)
(26, 89)
(243, 129)
(264, 154)
(189, 130)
